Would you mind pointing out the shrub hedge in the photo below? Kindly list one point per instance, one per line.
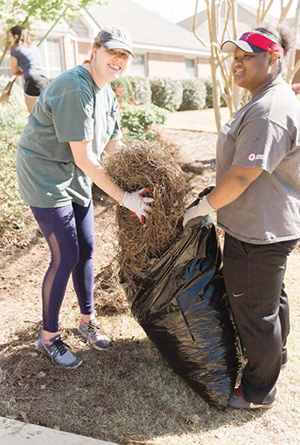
(194, 94)
(166, 93)
(13, 118)
(141, 90)
(209, 94)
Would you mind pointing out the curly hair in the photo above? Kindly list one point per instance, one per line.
(281, 34)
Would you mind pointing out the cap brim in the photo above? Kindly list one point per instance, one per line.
(230, 46)
(116, 44)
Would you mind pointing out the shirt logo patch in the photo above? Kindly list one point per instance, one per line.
(252, 157)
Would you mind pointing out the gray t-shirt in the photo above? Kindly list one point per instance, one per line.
(71, 108)
(265, 133)
(29, 60)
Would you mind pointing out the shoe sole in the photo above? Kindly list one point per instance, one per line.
(83, 334)
(252, 407)
(49, 357)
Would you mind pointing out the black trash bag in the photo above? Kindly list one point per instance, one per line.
(182, 306)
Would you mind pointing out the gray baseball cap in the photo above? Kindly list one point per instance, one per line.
(115, 37)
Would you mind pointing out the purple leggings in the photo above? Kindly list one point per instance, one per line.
(69, 232)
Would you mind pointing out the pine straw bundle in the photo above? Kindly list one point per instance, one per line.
(138, 165)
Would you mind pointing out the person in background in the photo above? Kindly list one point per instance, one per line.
(257, 198)
(26, 60)
(75, 119)
(296, 88)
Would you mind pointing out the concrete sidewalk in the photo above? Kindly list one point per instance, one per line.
(13, 432)
(198, 120)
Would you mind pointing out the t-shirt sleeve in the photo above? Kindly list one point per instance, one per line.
(262, 144)
(117, 133)
(72, 115)
(14, 53)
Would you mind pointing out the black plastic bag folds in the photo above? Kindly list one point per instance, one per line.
(183, 308)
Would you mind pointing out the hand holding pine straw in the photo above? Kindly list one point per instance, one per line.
(134, 167)
(138, 204)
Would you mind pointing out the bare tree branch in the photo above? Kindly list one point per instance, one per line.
(284, 10)
(226, 20)
(265, 11)
(296, 68)
(291, 69)
(194, 27)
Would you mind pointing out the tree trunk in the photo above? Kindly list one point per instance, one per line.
(4, 53)
(291, 71)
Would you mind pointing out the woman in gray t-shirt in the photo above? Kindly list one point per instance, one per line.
(257, 198)
(26, 60)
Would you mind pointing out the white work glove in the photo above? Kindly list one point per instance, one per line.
(138, 204)
(203, 208)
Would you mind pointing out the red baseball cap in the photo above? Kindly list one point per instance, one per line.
(253, 42)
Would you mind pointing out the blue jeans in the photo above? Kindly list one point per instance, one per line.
(69, 232)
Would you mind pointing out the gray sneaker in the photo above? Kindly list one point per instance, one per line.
(58, 352)
(237, 401)
(94, 335)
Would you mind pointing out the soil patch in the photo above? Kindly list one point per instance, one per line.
(127, 395)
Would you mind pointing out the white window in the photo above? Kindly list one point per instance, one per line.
(138, 67)
(51, 52)
(190, 68)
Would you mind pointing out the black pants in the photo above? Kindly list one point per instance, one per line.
(254, 282)
(35, 85)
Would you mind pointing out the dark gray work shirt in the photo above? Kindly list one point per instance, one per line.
(264, 133)
(29, 60)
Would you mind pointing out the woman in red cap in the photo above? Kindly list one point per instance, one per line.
(257, 198)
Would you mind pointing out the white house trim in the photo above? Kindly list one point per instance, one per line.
(167, 49)
(90, 23)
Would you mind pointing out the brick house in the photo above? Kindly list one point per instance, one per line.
(162, 48)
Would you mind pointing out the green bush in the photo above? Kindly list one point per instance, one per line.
(141, 90)
(123, 90)
(166, 93)
(138, 118)
(13, 118)
(209, 93)
(193, 95)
